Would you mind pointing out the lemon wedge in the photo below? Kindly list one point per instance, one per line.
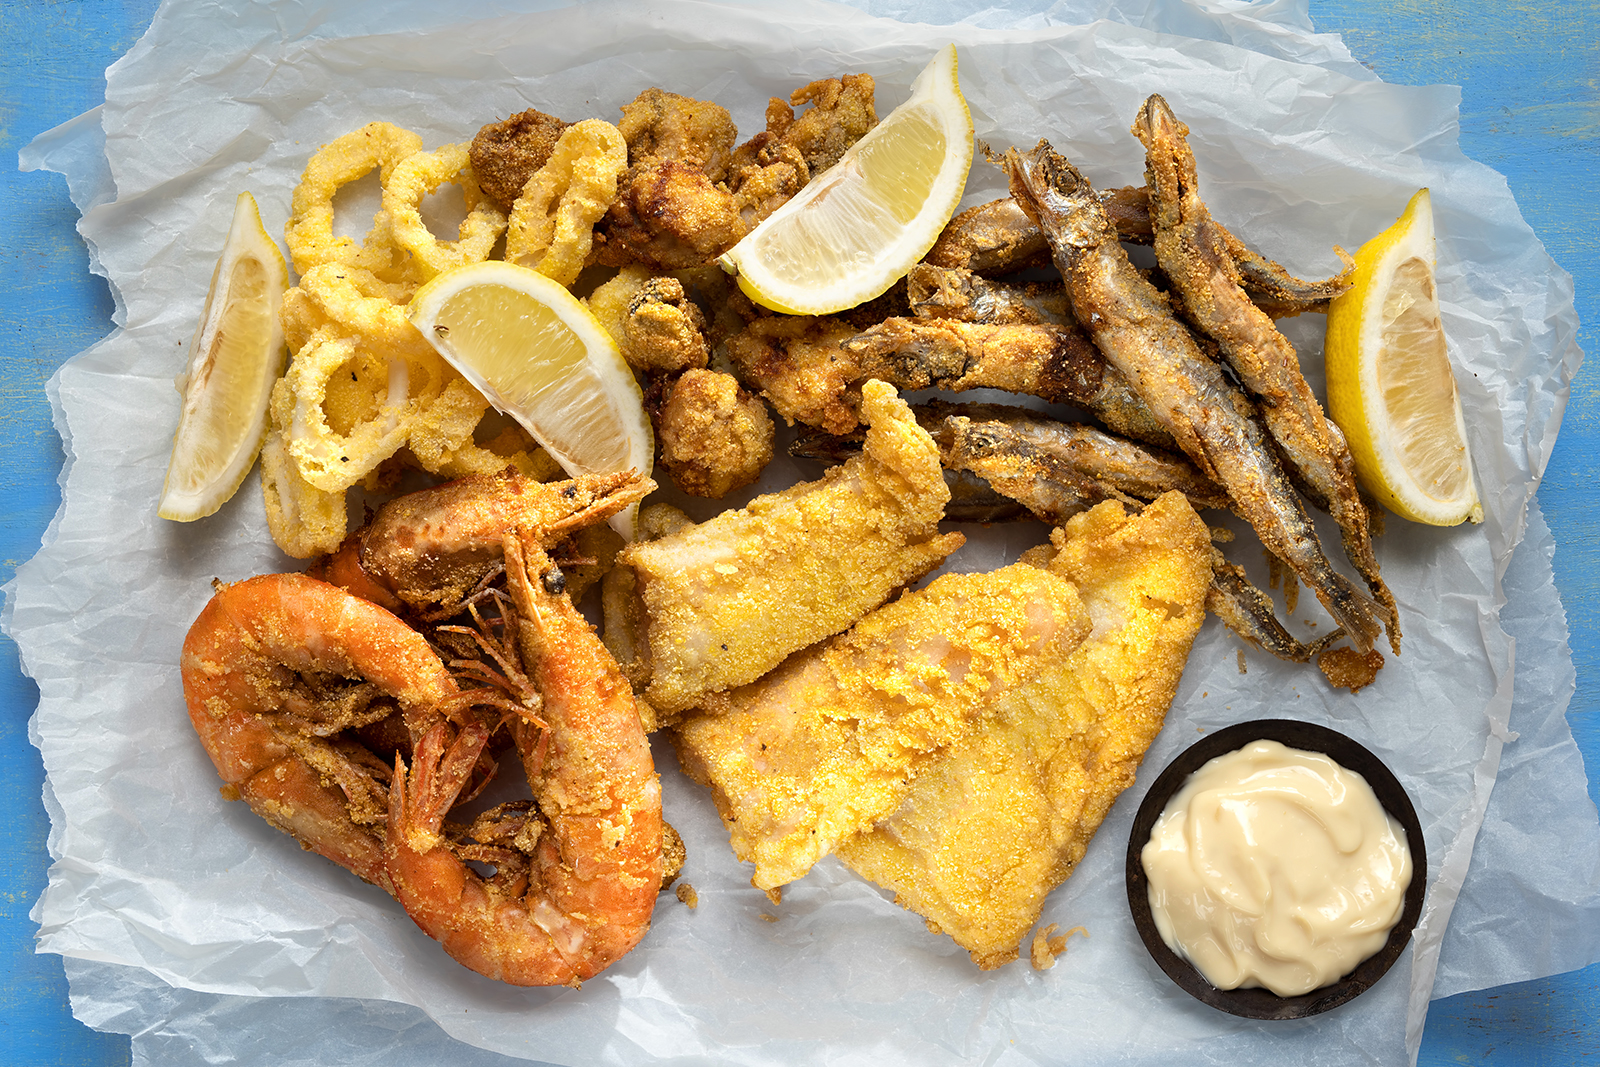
(235, 356)
(1390, 386)
(860, 225)
(538, 355)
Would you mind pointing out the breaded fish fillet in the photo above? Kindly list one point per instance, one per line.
(727, 600)
(830, 742)
(997, 820)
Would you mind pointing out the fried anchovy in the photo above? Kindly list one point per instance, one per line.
(996, 455)
(1248, 612)
(1210, 418)
(971, 498)
(1055, 363)
(1002, 443)
(1193, 252)
(1059, 469)
(956, 293)
(999, 238)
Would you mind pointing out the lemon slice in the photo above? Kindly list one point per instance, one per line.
(236, 355)
(1390, 386)
(539, 356)
(860, 225)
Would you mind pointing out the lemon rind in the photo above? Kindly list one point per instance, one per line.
(206, 495)
(936, 88)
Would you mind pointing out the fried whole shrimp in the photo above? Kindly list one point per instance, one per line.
(587, 874)
(426, 549)
(279, 672)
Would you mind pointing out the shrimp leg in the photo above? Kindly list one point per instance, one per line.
(1212, 421)
(1193, 251)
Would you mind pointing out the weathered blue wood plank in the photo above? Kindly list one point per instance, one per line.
(1530, 108)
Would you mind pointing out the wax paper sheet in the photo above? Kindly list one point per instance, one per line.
(192, 923)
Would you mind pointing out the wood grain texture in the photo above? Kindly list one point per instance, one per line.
(1530, 72)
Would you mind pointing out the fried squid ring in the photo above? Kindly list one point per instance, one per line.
(552, 222)
(443, 443)
(328, 460)
(354, 301)
(309, 233)
(304, 521)
(417, 176)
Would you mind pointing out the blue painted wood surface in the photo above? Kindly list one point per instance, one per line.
(1530, 77)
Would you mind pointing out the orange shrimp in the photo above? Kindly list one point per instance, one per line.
(429, 548)
(279, 672)
(584, 880)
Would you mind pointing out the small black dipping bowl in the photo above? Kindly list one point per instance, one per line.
(1263, 1003)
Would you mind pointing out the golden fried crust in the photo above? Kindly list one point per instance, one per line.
(504, 155)
(668, 215)
(663, 125)
(841, 113)
(663, 329)
(1003, 816)
(799, 364)
(831, 741)
(730, 598)
(715, 437)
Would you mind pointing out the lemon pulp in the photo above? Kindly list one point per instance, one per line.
(538, 355)
(1390, 384)
(236, 354)
(858, 227)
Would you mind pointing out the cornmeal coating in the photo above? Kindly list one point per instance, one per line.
(726, 600)
(504, 155)
(715, 437)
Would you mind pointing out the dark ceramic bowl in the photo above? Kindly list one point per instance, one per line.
(1263, 1003)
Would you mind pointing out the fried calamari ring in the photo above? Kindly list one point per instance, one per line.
(552, 223)
(354, 301)
(309, 233)
(331, 460)
(417, 176)
(303, 520)
(442, 441)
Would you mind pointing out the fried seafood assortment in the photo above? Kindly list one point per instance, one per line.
(958, 744)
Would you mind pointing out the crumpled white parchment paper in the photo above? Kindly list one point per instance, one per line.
(194, 925)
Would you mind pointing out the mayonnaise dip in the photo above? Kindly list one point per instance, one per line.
(1275, 867)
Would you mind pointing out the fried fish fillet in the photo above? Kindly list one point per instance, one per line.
(831, 741)
(727, 600)
(1001, 817)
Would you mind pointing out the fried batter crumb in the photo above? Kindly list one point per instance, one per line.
(1242, 669)
(663, 328)
(687, 896)
(715, 437)
(672, 856)
(1348, 669)
(504, 155)
(1047, 945)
